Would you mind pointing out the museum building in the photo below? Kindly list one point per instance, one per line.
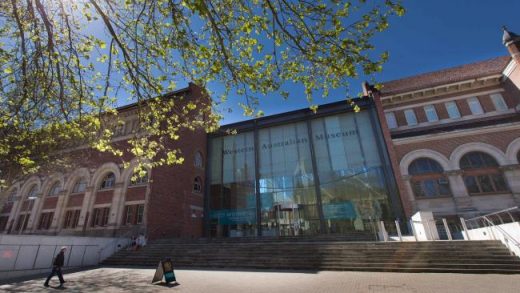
(445, 141)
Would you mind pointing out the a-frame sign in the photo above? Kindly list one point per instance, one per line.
(164, 269)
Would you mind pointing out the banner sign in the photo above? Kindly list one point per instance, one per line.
(231, 217)
(340, 210)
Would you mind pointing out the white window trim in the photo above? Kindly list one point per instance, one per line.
(456, 108)
(498, 99)
(476, 99)
(431, 109)
(392, 122)
(408, 122)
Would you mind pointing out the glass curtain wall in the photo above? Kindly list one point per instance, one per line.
(232, 197)
(347, 173)
(287, 189)
(352, 186)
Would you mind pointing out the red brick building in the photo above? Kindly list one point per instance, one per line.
(98, 197)
(454, 135)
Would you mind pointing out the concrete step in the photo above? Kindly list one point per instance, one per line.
(301, 254)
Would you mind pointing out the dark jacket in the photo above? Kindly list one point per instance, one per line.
(60, 259)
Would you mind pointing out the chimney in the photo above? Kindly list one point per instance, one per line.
(512, 43)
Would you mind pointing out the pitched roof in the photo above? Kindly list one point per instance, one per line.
(446, 76)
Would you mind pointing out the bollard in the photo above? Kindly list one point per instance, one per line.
(398, 230)
(463, 222)
(447, 229)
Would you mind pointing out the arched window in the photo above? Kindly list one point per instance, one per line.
(12, 195)
(481, 173)
(55, 189)
(198, 162)
(428, 179)
(197, 185)
(108, 181)
(139, 179)
(80, 186)
(33, 192)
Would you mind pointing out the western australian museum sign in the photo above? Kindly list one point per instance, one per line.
(291, 141)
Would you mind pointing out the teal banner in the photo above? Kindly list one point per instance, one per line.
(231, 217)
(339, 211)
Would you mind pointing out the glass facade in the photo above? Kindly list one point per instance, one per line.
(311, 176)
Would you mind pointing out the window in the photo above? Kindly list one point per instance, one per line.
(428, 179)
(21, 225)
(3, 223)
(108, 181)
(133, 214)
(12, 196)
(197, 185)
(45, 221)
(481, 174)
(452, 109)
(498, 101)
(100, 217)
(139, 180)
(33, 193)
(71, 219)
(431, 113)
(390, 120)
(79, 186)
(197, 162)
(55, 189)
(474, 106)
(410, 117)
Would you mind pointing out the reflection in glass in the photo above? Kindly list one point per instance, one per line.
(232, 186)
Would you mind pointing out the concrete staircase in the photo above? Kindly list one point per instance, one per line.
(325, 253)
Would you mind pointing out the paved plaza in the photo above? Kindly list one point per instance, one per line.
(215, 281)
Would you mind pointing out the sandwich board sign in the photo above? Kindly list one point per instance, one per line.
(164, 269)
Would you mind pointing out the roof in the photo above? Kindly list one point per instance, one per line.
(167, 95)
(446, 76)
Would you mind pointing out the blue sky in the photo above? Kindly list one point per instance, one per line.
(432, 35)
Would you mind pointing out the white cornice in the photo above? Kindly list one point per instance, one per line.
(494, 91)
(457, 133)
(425, 93)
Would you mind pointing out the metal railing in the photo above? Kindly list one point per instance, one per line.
(505, 216)
(17, 257)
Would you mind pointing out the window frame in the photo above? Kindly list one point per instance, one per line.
(409, 114)
(198, 160)
(475, 102)
(423, 177)
(481, 172)
(455, 107)
(391, 121)
(54, 187)
(197, 185)
(498, 102)
(431, 110)
(80, 182)
(108, 182)
(140, 179)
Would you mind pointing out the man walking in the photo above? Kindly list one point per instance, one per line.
(56, 267)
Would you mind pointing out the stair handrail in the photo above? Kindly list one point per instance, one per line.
(126, 235)
(495, 213)
(507, 237)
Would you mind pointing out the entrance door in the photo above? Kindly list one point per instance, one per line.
(288, 219)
